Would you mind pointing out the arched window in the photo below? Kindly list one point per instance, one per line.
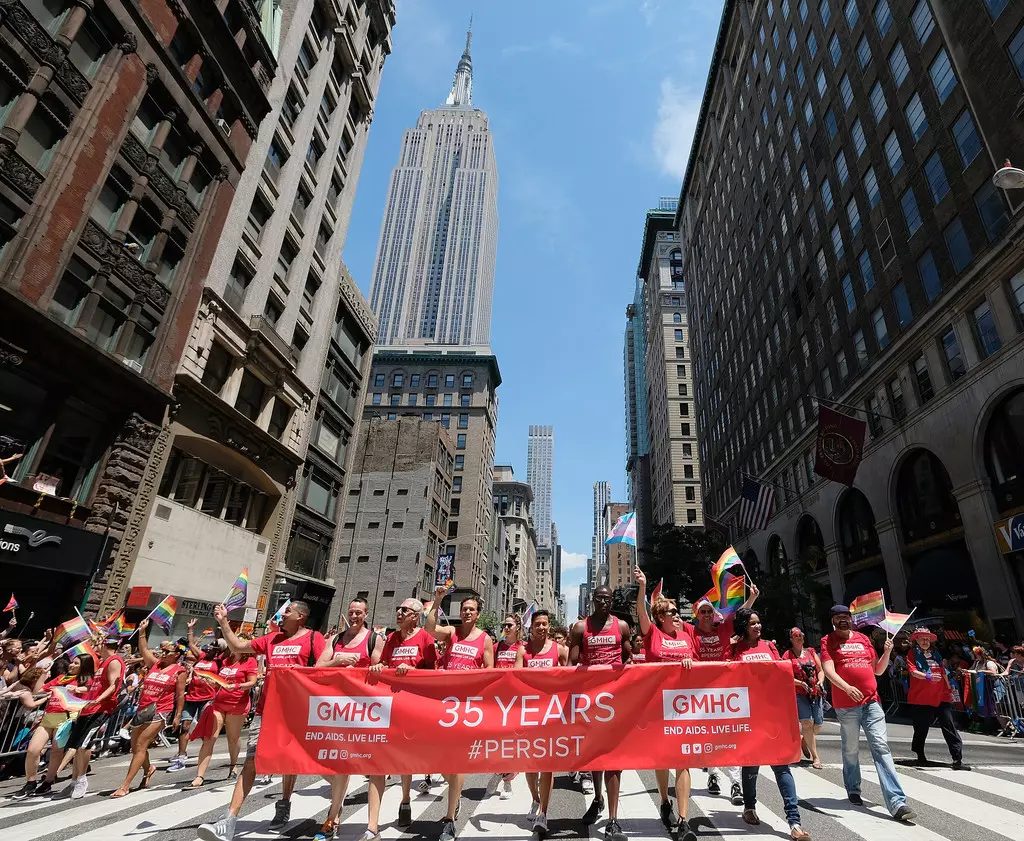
(775, 556)
(677, 318)
(856, 527)
(924, 497)
(676, 256)
(810, 546)
(750, 559)
(1004, 452)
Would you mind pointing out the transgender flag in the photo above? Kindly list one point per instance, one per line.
(624, 530)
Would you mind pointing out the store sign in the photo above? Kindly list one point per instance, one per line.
(42, 545)
(15, 538)
(1010, 534)
(195, 607)
(139, 596)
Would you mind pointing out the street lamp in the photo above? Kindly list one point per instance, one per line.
(1009, 177)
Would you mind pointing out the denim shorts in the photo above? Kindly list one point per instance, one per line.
(808, 710)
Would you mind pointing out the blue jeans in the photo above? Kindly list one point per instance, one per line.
(871, 718)
(787, 788)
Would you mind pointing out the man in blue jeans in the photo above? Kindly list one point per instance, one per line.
(850, 664)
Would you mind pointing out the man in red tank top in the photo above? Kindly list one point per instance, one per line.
(468, 647)
(602, 640)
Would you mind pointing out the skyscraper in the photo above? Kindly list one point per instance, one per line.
(434, 274)
(540, 458)
(597, 567)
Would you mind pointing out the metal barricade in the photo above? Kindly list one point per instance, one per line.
(1009, 697)
(14, 719)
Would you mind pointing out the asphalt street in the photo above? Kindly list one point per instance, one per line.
(987, 802)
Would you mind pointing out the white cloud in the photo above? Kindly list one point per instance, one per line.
(678, 111)
(552, 44)
(573, 560)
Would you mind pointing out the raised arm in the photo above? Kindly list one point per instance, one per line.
(442, 633)
(641, 601)
(235, 645)
(754, 593)
(195, 649)
(883, 662)
(148, 657)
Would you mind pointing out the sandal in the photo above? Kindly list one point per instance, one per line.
(816, 765)
(118, 792)
(198, 782)
(146, 778)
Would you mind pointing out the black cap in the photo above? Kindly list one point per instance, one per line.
(838, 609)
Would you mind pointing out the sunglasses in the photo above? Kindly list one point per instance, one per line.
(508, 625)
(670, 612)
(404, 609)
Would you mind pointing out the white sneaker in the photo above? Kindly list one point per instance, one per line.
(263, 780)
(540, 825)
(587, 784)
(79, 788)
(223, 830)
(506, 790)
(534, 810)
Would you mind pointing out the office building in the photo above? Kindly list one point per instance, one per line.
(513, 503)
(597, 566)
(842, 240)
(540, 462)
(620, 555)
(434, 275)
(556, 547)
(638, 459)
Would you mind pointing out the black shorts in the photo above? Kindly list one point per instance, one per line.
(83, 730)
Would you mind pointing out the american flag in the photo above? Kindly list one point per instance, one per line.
(755, 504)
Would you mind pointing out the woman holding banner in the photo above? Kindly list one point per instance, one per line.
(751, 648)
(666, 640)
(931, 698)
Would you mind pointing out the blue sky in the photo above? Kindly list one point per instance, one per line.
(592, 104)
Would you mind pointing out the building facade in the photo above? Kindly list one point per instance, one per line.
(433, 279)
(457, 388)
(513, 503)
(123, 143)
(597, 566)
(396, 516)
(638, 456)
(620, 555)
(556, 548)
(540, 465)
(268, 395)
(843, 241)
(546, 579)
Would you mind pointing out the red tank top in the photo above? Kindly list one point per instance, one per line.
(465, 655)
(100, 683)
(602, 647)
(547, 659)
(506, 655)
(661, 648)
(160, 687)
(362, 648)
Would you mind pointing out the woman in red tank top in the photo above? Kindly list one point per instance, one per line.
(510, 649)
(667, 640)
(161, 702)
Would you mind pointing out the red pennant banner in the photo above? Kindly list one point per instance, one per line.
(840, 446)
(346, 721)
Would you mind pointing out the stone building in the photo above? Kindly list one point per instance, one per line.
(125, 127)
(513, 502)
(396, 515)
(620, 555)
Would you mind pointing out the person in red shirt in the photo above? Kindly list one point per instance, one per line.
(850, 664)
(468, 647)
(197, 693)
(293, 646)
(667, 640)
(931, 698)
(160, 703)
(509, 652)
(810, 678)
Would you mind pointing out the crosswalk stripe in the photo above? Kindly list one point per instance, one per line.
(506, 819)
(728, 819)
(638, 813)
(872, 822)
(984, 783)
(419, 801)
(1006, 769)
(970, 809)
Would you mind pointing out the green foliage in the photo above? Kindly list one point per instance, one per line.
(793, 597)
(489, 621)
(682, 556)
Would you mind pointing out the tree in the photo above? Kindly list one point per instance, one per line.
(489, 621)
(793, 596)
(683, 557)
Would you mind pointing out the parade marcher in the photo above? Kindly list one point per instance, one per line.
(103, 694)
(79, 676)
(752, 648)
(160, 704)
(406, 648)
(810, 700)
(466, 648)
(851, 666)
(542, 653)
(602, 640)
(357, 647)
(198, 693)
(667, 640)
(637, 653)
(983, 671)
(508, 654)
(931, 698)
(294, 645)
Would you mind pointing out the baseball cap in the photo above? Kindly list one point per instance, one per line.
(838, 609)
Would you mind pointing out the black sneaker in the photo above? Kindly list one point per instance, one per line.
(282, 814)
(613, 832)
(904, 814)
(594, 812)
(404, 814)
(713, 787)
(959, 766)
(736, 795)
(855, 799)
(686, 834)
(447, 830)
(43, 788)
(668, 816)
(26, 790)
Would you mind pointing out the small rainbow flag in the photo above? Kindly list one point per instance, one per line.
(236, 598)
(656, 592)
(426, 607)
(209, 633)
(68, 700)
(83, 648)
(123, 627)
(894, 622)
(11, 605)
(624, 530)
(734, 593)
(163, 613)
(528, 615)
(215, 679)
(868, 609)
(728, 560)
(72, 632)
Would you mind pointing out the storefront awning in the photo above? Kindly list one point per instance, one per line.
(943, 579)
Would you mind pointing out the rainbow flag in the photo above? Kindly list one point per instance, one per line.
(735, 592)
(215, 679)
(868, 609)
(894, 622)
(84, 647)
(68, 700)
(236, 598)
(11, 605)
(624, 530)
(123, 627)
(656, 592)
(163, 613)
(209, 633)
(426, 607)
(728, 560)
(72, 632)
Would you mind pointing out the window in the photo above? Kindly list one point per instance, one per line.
(800, 77)
(460, 462)
(835, 50)
(812, 44)
(863, 51)
(825, 12)
(915, 117)
(871, 187)
(859, 141)
(446, 419)
(396, 399)
(966, 138)
(925, 392)
(866, 272)
(893, 153)
(881, 330)
(883, 17)
(956, 241)
(860, 347)
(792, 40)
(853, 215)
(414, 381)
(922, 21)
(898, 64)
(431, 380)
(852, 13)
(992, 210)
(878, 103)
(851, 300)
(251, 394)
(808, 111)
(219, 364)
(985, 329)
(911, 213)
(679, 335)
(377, 398)
(826, 195)
(846, 92)
(803, 10)
(796, 138)
(456, 484)
(789, 103)
(837, 242)
(464, 420)
(833, 318)
(318, 492)
(929, 275)
(896, 399)
(830, 124)
(460, 441)
(821, 81)
(378, 381)
(904, 314)
(684, 429)
(842, 366)
(449, 380)
(464, 400)
(995, 7)
(1016, 48)
(943, 77)
(684, 409)
(954, 358)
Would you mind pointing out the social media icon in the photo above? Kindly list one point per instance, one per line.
(334, 754)
(684, 748)
(708, 747)
(698, 748)
(322, 754)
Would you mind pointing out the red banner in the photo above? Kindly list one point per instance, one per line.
(345, 721)
(840, 446)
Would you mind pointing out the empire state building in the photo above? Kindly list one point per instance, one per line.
(433, 279)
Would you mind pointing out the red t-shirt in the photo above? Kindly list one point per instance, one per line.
(505, 655)
(100, 683)
(927, 693)
(854, 661)
(417, 651)
(465, 655)
(199, 689)
(159, 688)
(662, 648)
(713, 647)
(284, 652)
(235, 701)
(804, 667)
(763, 651)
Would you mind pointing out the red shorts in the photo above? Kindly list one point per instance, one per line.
(235, 709)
